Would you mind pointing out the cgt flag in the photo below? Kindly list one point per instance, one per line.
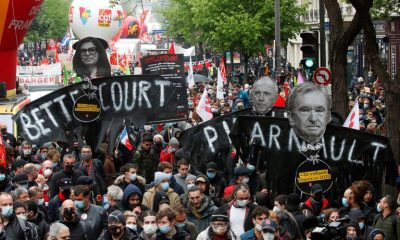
(125, 140)
(353, 120)
(204, 107)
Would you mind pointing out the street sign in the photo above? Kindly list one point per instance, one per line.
(322, 76)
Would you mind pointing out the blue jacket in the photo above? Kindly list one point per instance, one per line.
(249, 235)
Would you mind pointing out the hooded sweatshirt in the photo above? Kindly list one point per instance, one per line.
(129, 190)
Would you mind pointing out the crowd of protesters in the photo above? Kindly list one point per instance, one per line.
(58, 191)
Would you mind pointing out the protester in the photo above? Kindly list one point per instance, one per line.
(219, 227)
(78, 229)
(116, 229)
(130, 176)
(58, 231)
(386, 219)
(259, 214)
(143, 157)
(199, 208)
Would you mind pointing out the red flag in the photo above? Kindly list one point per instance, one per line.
(223, 70)
(122, 62)
(280, 102)
(3, 159)
(172, 48)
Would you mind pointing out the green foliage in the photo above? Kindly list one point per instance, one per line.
(51, 21)
(383, 8)
(240, 25)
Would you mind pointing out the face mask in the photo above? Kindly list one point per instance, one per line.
(268, 236)
(43, 156)
(165, 229)
(22, 216)
(258, 227)
(366, 105)
(211, 175)
(180, 225)
(318, 197)
(132, 226)
(40, 201)
(79, 204)
(378, 208)
(245, 180)
(86, 156)
(27, 152)
(361, 225)
(133, 177)
(47, 173)
(189, 186)
(7, 211)
(150, 229)
(173, 149)
(55, 164)
(242, 203)
(68, 168)
(114, 230)
(2, 177)
(165, 186)
(345, 203)
(220, 230)
(68, 215)
(276, 209)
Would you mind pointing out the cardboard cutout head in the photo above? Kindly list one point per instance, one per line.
(308, 108)
(264, 94)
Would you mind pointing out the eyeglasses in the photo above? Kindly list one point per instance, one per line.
(91, 51)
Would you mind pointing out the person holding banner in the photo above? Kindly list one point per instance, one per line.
(90, 59)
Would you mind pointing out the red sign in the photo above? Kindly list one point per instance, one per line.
(104, 19)
(322, 76)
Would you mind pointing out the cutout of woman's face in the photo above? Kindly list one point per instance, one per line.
(88, 55)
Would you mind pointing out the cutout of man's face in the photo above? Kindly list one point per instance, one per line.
(310, 115)
(264, 95)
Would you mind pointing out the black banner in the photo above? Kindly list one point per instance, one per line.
(170, 67)
(136, 99)
(271, 145)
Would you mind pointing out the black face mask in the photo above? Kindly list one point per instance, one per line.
(114, 230)
(318, 197)
(68, 168)
(69, 215)
(66, 193)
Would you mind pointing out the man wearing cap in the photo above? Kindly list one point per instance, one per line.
(258, 215)
(166, 167)
(316, 203)
(68, 171)
(63, 194)
(161, 183)
(203, 184)
(143, 157)
(217, 183)
(270, 229)
(116, 228)
(18, 166)
(93, 215)
(219, 227)
(94, 168)
(19, 180)
(69, 216)
(241, 176)
(199, 208)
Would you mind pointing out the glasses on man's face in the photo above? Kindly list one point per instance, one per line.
(91, 51)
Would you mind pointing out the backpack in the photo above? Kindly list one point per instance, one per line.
(31, 231)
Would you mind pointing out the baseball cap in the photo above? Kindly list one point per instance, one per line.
(240, 171)
(269, 225)
(84, 180)
(316, 188)
(65, 183)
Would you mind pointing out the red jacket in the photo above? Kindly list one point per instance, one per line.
(310, 206)
(166, 156)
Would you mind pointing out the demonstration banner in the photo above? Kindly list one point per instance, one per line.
(108, 104)
(170, 67)
(271, 145)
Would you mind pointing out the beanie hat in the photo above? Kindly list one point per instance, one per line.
(212, 165)
(190, 178)
(116, 216)
(219, 215)
(159, 177)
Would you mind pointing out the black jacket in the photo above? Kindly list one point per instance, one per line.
(128, 235)
(13, 229)
(54, 183)
(97, 174)
(42, 224)
(79, 230)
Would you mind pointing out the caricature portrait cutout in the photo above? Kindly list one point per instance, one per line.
(263, 95)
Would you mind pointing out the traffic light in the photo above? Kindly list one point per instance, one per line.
(309, 48)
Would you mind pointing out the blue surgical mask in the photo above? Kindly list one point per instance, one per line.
(345, 203)
(180, 225)
(189, 186)
(378, 208)
(7, 211)
(211, 175)
(40, 201)
(165, 229)
(55, 164)
(133, 177)
(2, 177)
(79, 204)
(361, 225)
(165, 186)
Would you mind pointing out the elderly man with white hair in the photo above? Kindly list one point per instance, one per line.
(114, 196)
(58, 231)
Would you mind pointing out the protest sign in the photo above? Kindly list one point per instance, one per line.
(136, 99)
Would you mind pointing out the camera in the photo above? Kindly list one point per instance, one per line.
(330, 231)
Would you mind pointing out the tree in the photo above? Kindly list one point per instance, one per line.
(51, 22)
(235, 25)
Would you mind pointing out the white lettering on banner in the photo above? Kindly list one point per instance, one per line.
(126, 91)
(210, 139)
(20, 24)
(34, 10)
(117, 107)
(227, 130)
(293, 136)
(39, 122)
(104, 107)
(72, 94)
(144, 86)
(63, 107)
(274, 136)
(162, 84)
(46, 106)
(351, 154)
(324, 148)
(333, 157)
(257, 133)
(27, 125)
(378, 146)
